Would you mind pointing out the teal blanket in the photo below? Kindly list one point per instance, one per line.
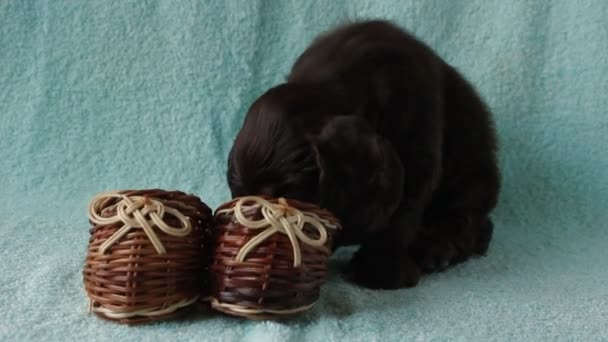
(99, 95)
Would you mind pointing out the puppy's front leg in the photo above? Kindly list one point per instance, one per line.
(382, 262)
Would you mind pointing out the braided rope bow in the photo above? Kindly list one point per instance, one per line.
(132, 212)
(278, 218)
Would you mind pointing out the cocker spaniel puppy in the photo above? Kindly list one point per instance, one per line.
(374, 126)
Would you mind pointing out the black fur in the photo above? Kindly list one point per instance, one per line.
(374, 126)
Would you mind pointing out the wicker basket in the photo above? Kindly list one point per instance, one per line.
(148, 254)
(270, 257)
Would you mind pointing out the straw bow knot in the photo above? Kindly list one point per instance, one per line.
(279, 218)
(136, 212)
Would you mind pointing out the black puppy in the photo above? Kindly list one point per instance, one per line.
(372, 125)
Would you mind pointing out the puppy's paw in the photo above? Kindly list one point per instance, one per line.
(381, 270)
(434, 255)
(484, 236)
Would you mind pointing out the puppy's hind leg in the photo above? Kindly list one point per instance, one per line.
(456, 226)
(450, 239)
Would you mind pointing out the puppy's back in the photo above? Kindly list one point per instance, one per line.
(345, 49)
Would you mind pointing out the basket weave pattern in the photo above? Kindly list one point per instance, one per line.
(134, 280)
(267, 284)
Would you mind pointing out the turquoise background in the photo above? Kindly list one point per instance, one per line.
(99, 95)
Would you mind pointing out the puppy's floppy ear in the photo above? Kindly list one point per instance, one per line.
(361, 176)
